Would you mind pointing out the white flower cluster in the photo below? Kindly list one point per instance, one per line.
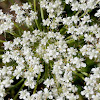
(51, 46)
(82, 4)
(90, 51)
(5, 22)
(5, 79)
(24, 14)
(46, 58)
(98, 13)
(92, 88)
(52, 51)
(54, 9)
(92, 38)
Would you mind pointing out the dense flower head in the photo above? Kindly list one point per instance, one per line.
(49, 61)
(51, 46)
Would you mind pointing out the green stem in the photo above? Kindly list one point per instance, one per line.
(78, 75)
(2, 41)
(19, 29)
(84, 13)
(35, 19)
(41, 80)
(70, 41)
(18, 83)
(15, 98)
(42, 14)
(16, 35)
(64, 5)
(69, 37)
(12, 1)
(84, 73)
(12, 77)
(0, 56)
(1, 50)
(30, 4)
(58, 89)
(36, 83)
(77, 13)
(46, 71)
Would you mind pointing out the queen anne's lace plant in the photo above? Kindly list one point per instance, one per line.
(46, 63)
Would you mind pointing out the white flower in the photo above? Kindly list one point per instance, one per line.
(72, 51)
(91, 90)
(26, 6)
(78, 62)
(31, 83)
(75, 19)
(89, 38)
(17, 73)
(24, 94)
(86, 19)
(2, 92)
(68, 1)
(7, 82)
(71, 30)
(43, 3)
(75, 6)
(15, 7)
(79, 31)
(46, 22)
(6, 57)
(16, 41)
(98, 13)
(49, 82)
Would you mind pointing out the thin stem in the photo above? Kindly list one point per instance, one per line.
(1, 50)
(46, 71)
(18, 83)
(19, 29)
(78, 75)
(1, 41)
(84, 13)
(34, 5)
(16, 35)
(58, 90)
(12, 1)
(0, 56)
(77, 13)
(84, 73)
(37, 83)
(42, 14)
(29, 1)
(15, 98)
(35, 19)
